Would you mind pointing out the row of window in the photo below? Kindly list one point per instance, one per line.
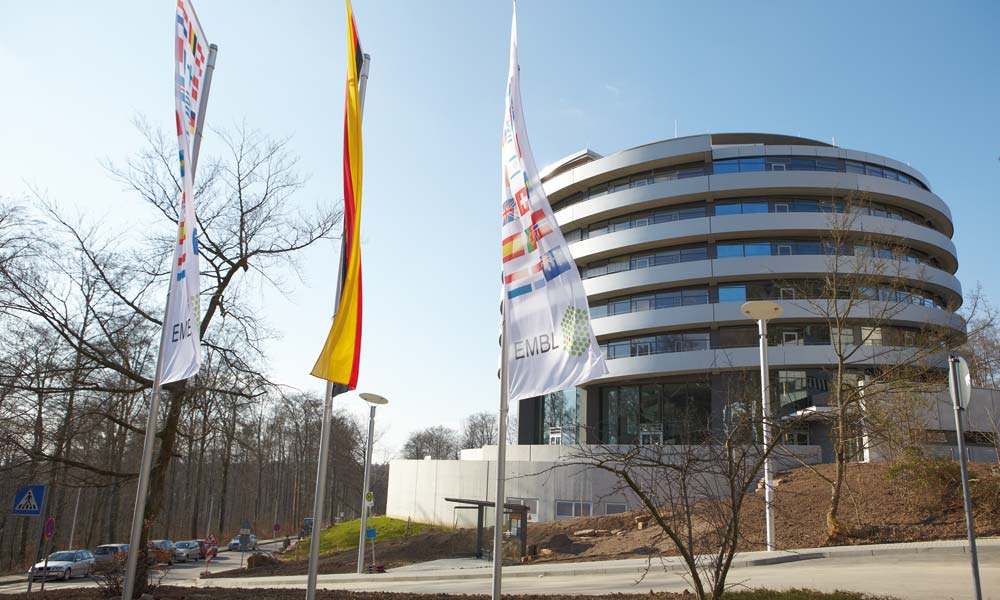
(805, 163)
(567, 509)
(737, 165)
(756, 290)
(740, 248)
(784, 334)
(745, 206)
(736, 249)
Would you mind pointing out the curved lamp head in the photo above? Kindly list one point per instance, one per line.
(373, 398)
(761, 310)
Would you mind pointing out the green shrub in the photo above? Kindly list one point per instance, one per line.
(934, 483)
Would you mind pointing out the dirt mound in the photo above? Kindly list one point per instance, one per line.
(555, 542)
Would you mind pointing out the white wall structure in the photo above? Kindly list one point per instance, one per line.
(543, 474)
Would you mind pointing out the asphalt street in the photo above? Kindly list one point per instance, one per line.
(183, 574)
(916, 577)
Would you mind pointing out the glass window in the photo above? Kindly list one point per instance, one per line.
(751, 164)
(732, 293)
(854, 167)
(691, 172)
(649, 404)
(728, 209)
(619, 184)
(829, 164)
(614, 508)
(757, 249)
(738, 337)
(600, 310)
(668, 299)
(754, 207)
(729, 250)
(731, 165)
(692, 297)
(692, 213)
(689, 254)
(598, 190)
(873, 170)
(564, 510)
(668, 257)
(801, 163)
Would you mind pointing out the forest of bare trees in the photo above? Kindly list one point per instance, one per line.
(79, 309)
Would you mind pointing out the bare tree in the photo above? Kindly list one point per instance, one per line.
(438, 442)
(479, 429)
(695, 493)
(869, 282)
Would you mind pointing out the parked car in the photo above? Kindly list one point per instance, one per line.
(64, 565)
(204, 551)
(105, 553)
(234, 544)
(162, 551)
(185, 551)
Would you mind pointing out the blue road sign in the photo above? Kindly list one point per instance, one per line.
(28, 500)
(370, 533)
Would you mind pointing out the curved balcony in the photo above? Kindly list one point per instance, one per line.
(728, 313)
(680, 191)
(716, 228)
(757, 267)
(733, 359)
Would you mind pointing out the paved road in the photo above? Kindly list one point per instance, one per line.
(183, 574)
(912, 577)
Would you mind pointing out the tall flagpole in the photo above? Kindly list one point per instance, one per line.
(501, 460)
(319, 496)
(142, 491)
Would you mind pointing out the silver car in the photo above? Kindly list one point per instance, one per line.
(185, 551)
(106, 553)
(64, 565)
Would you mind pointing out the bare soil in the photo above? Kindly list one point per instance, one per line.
(877, 509)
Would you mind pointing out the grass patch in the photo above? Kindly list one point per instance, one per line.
(344, 536)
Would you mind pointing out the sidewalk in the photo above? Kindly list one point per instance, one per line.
(464, 569)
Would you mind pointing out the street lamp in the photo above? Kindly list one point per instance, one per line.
(762, 311)
(374, 400)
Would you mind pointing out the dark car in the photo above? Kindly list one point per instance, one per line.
(106, 553)
(204, 551)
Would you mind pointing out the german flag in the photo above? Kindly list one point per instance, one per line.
(339, 360)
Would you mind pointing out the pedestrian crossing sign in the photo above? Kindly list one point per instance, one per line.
(28, 500)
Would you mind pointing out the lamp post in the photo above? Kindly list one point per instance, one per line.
(762, 311)
(373, 400)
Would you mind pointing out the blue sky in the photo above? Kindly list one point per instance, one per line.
(916, 81)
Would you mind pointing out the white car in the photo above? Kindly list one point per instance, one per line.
(64, 565)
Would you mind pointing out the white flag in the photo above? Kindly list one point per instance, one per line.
(181, 351)
(550, 344)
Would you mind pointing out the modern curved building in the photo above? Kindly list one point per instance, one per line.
(672, 237)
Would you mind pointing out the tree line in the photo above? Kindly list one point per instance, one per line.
(80, 307)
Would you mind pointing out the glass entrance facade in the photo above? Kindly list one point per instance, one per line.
(655, 413)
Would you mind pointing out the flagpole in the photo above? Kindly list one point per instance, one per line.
(501, 460)
(213, 50)
(145, 469)
(319, 496)
(142, 490)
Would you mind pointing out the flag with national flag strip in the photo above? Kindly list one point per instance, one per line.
(340, 358)
(181, 342)
(549, 343)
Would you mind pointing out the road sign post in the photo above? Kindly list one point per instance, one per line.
(211, 549)
(49, 530)
(31, 501)
(960, 386)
